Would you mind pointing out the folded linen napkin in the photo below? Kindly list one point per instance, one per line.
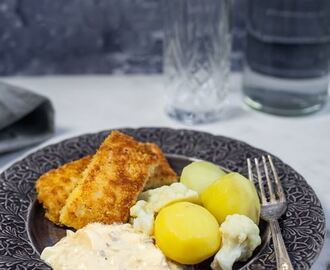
(26, 118)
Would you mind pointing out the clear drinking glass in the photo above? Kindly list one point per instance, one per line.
(196, 58)
(287, 56)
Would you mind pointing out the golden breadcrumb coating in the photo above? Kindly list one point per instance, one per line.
(109, 186)
(54, 187)
(164, 174)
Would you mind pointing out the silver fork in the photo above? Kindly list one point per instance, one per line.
(272, 207)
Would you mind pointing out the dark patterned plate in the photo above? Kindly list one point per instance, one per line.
(24, 232)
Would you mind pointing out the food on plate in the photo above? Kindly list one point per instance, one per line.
(104, 247)
(131, 181)
(163, 174)
(232, 194)
(142, 218)
(240, 237)
(187, 233)
(111, 183)
(54, 187)
(151, 201)
(199, 175)
(162, 196)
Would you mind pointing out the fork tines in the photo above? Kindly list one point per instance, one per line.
(265, 170)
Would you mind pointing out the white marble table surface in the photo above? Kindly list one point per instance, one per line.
(92, 103)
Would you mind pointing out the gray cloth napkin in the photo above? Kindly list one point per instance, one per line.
(26, 118)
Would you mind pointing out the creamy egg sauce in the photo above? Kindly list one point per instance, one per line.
(105, 247)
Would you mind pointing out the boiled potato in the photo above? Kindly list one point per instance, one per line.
(232, 194)
(187, 233)
(199, 175)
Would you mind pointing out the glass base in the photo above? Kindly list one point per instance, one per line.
(285, 97)
(280, 111)
(192, 118)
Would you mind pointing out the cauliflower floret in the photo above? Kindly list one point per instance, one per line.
(144, 217)
(240, 236)
(151, 201)
(159, 197)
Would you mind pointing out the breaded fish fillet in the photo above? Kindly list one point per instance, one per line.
(164, 174)
(54, 187)
(116, 175)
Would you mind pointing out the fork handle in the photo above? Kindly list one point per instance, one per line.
(282, 257)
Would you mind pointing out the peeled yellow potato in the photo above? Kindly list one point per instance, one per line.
(187, 233)
(198, 175)
(232, 194)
